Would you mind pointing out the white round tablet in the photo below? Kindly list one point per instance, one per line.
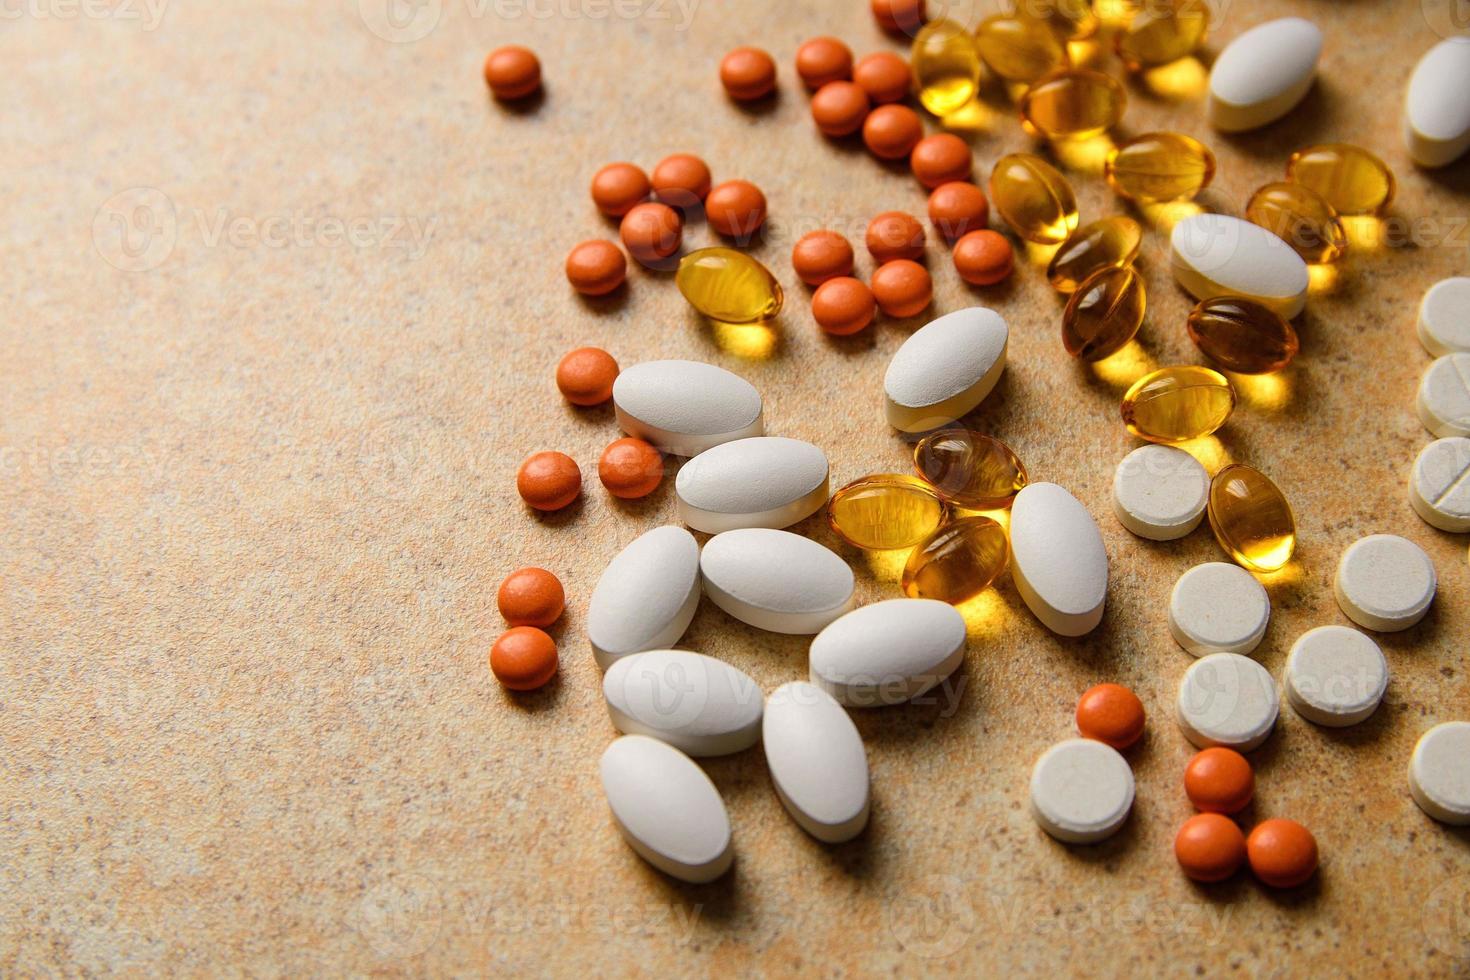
(1444, 396)
(1439, 484)
(1081, 791)
(1385, 582)
(1335, 676)
(1218, 607)
(1226, 699)
(1160, 492)
(1439, 773)
(1444, 317)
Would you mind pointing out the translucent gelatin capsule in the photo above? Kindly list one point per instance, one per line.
(1073, 104)
(728, 285)
(1176, 404)
(1159, 167)
(946, 66)
(970, 470)
(1069, 20)
(1033, 198)
(1241, 335)
(1300, 217)
(1348, 177)
(1018, 49)
(1109, 243)
(957, 562)
(1251, 518)
(885, 511)
(1104, 314)
(1163, 31)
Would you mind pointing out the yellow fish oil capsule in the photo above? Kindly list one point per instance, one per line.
(1176, 404)
(1348, 177)
(1302, 218)
(1069, 20)
(946, 67)
(969, 470)
(1163, 31)
(885, 511)
(1104, 314)
(1073, 104)
(1033, 198)
(729, 286)
(1110, 243)
(957, 562)
(1241, 335)
(1019, 49)
(1156, 168)
(1251, 518)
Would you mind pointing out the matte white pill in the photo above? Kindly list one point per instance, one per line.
(1439, 773)
(1081, 791)
(817, 762)
(1263, 74)
(776, 580)
(667, 808)
(699, 705)
(1385, 582)
(1227, 699)
(646, 596)
(766, 481)
(1217, 255)
(1218, 607)
(1335, 676)
(1439, 484)
(685, 407)
(1444, 317)
(1160, 492)
(888, 652)
(945, 369)
(1058, 561)
(1444, 396)
(1436, 110)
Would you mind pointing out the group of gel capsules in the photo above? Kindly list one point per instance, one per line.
(1250, 278)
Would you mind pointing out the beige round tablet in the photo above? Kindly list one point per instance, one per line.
(1160, 492)
(1439, 773)
(1226, 699)
(1335, 676)
(1081, 791)
(1444, 317)
(1218, 607)
(1444, 396)
(1385, 582)
(1439, 484)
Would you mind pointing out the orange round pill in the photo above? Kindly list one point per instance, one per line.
(895, 235)
(617, 187)
(957, 208)
(884, 76)
(939, 159)
(1219, 780)
(902, 288)
(748, 74)
(681, 180)
(821, 255)
(843, 306)
(531, 597)
(822, 60)
(839, 108)
(651, 232)
(630, 468)
(983, 257)
(1282, 853)
(1209, 847)
(523, 659)
(899, 16)
(1111, 714)
(596, 267)
(736, 209)
(549, 480)
(585, 376)
(512, 72)
(892, 131)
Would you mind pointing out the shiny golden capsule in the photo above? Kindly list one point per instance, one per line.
(946, 66)
(1176, 404)
(1018, 49)
(885, 511)
(1251, 518)
(1109, 243)
(957, 562)
(1159, 167)
(1163, 31)
(1348, 177)
(1073, 104)
(1104, 314)
(969, 470)
(1033, 198)
(728, 285)
(1241, 335)
(1069, 20)
(1300, 217)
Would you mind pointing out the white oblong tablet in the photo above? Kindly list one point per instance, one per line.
(1058, 561)
(765, 481)
(685, 407)
(888, 652)
(1160, 492)
(1439, 484)
(776, 580)
(817, 762)
(1081, 791)
(1444, 317)
(1227, 699)
(1218, 607)
(1436, 110)
(1263, 74)
(1385, 582)
(1444, 396)
(699, 705)
(945, 369)
(1217, 255)
(1335, 676)
(667, 808)
(646, 596)
(1439, 773)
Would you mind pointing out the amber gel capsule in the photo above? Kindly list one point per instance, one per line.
(1350, 178)
(1110, 243)
(946, 67)
(1033, 198)
(1159, 167)
(1300, 217)
(1176, 404)
(1017, 49)
(728, 285)
(1069, 20)
(884, 511)
(1241, 335)
(957, 562)
(1251, 518)
(1104, 314)
(1163, 31)
(1073, 104)
(970, 470)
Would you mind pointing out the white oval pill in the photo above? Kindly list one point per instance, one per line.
(1385, 582)
(1227, 699)
(945, 369)
(888, 652)
(685, 407)
(1160, 492)
(766, 481)
(667, 808)
(1439, 484)
(699, 705)
(1218, 607)
(1444, 317)
(817, 762)
(646, 596)
(1263, 74)
(1439, 773)
(1335, 676)
(1444, 396)
(1436, 110)
(776, 580)
(1058, 561)
(1217, 255)
(1081, 791)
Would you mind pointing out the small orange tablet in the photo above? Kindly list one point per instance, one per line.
(1111, 714)
(822, 60)
(895, 235)
(821, 255)
(585, 376)
(1283, 853)
(531, 597)
(523, 659)
(839, 108)
(630, 468)
(983, 258)
(736, 209)
(1209, 847)
(902, 288)
(941, 158)
(843, 306)
(1219, 780)
(748, 74)
(549, 480)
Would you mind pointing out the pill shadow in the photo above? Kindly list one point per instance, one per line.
(1306, 896)
(1454, 178)
(596, 416)
(925, 717)
(559, 518)
(1315, 119)
(718, 901)
(1365, 732)
(1423, 635)
(763, 106)
(607, 303)
(544, 698)
(528, 106)
(1110, 851)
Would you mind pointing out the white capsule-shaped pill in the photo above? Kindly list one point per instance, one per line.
(1439, 484)
(817, 761)
(945, 369)
(1160, 492)
(1217, 255)
(1058, 561)
(1439, 773)
(646, 596)
(1385, 582)
(685, 407)
(1081, 791)
(1436, 109)
(1444, 317)
(667, 808)
(1335, 676)
(699, 705)
(1227, 699)
(1218, 607)
(1263, 74)
(776, 580)
(765, 481)
(888, 652)
(1444, 396)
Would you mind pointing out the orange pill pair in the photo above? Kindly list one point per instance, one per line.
(1281, 853)
(681, 180)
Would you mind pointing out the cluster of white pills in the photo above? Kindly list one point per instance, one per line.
(1439, 483)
